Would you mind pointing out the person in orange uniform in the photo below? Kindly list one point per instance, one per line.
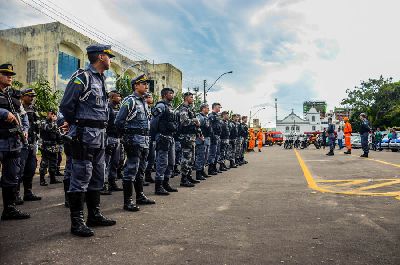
(252, 140)
(347, 135)
(259, 140)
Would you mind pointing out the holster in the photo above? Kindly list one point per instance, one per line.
(131, 148)
(163, 143)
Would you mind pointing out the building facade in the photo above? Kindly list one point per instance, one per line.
(56, 51)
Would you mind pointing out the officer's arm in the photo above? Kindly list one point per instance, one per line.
(122, 115)
(71, 96)
(25, 122)
(3, 114)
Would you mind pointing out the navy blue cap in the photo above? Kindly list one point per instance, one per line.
(100, 48)
(140, 79)
(28, 92)
(7, 68)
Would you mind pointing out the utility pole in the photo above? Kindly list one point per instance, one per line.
(204, 91)
(276, 112)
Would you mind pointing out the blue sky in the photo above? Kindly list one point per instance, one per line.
(294, 50)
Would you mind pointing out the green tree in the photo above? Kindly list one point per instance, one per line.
(46, 98)
(16, 84)
(123, 85)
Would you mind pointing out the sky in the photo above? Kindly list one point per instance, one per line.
(292, 50)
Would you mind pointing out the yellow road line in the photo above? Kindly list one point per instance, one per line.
(380, 185)
(381, 161)
(313, 184)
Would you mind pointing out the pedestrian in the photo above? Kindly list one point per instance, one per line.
(133, 122)
(340, 136)
(13, 129)
(189, 129)
(85, 110)
(259, 137)
(331, 137)
(378, 139)
(324, 136)
(28, 160)
(51, 141)
(164, 124)
(347, 130)
(364, 133)
(215, 140)
(203, 142)
(113, 145)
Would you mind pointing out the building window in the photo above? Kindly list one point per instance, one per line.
(287, 128)
(67, 65)
(313, 128)
(313, 118)
(292, 128)
(32, 68)
(298, 128)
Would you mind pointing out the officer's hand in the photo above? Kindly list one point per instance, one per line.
(26, 135)
(65, 127)
(11, 118)
(196, 121)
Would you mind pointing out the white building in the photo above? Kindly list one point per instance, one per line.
(310, 123)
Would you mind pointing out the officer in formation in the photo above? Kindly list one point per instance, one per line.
(225, 139)
(364, 133)
(164, 126)
(215, 122)
(331, 136)
(85, 110)
(133, 122)
(151, 159)
(51, 141)
(203, 142)
(189, 129)
(113, 145)
(28, 161)
(14, 127)
(244, 135)
(233, 141)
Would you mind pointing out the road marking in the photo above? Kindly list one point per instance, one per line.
(381, 161)
(312, 183)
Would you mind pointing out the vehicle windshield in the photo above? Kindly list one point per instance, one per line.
(277, 135)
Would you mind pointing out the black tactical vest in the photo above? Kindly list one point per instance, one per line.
(5, 98)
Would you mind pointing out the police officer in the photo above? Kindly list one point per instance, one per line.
(68, 159)
(164, 124)
(244, 135)
(28, 161)
(151, 159)
(233, 135)
(189, 128)
(331, 135)
(225, 133)
(133, 121)
(84, 107)
(11, 135)
(364, 133)
(239, 140)
(113, 145)
(202, 142)
(51, 139)
(215, 121)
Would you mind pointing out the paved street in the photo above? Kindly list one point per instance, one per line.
(261, 213)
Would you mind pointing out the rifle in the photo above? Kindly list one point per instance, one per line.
(18, 129)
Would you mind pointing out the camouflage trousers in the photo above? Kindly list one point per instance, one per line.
(188, 148)
(49, 161)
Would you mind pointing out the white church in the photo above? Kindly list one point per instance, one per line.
(311, 122)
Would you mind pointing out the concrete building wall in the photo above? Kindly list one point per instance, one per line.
(15, 54)
(165, 75)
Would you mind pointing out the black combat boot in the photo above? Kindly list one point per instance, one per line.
(217, 169)
(185, 182)
(191, 179)
(232, 164)
(364, 155)
(59, 173)
(18, 199)
(148, 177)
(211, 170)
(105, 190)
(95, 217)
(176, 171)
(222, 166)
(78, 225)
(159, 188)
(128, 202)
(168, 187)
(140, 197)
(28, 194)
(43, 180)
(204, 174)
(330, 153)
(10, 212)
(66, 189)
(199, 175)
(112, 186)
(53, 179)
(348, 152)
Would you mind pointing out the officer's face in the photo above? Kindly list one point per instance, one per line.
(27, 100)
(217, 108)
(5, 79)
(206, 110)
(149, 100)
(169, 96)
(141, 88)
(190, 99)
(106, 61)
(116, 99)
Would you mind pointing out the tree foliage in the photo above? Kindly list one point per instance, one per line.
(123, 85)
(379, 99)
(46, 98)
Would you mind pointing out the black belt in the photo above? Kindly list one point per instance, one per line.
(91, 124)
(143, 132)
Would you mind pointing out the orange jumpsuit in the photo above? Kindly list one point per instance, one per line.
(260, 140)
(347, 130)
(252, 140)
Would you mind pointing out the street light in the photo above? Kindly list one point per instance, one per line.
(205, 83)
(251, 116)
(130, 66)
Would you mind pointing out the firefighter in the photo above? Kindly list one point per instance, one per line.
(347, 135)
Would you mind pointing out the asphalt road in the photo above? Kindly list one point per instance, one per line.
(261, 213)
